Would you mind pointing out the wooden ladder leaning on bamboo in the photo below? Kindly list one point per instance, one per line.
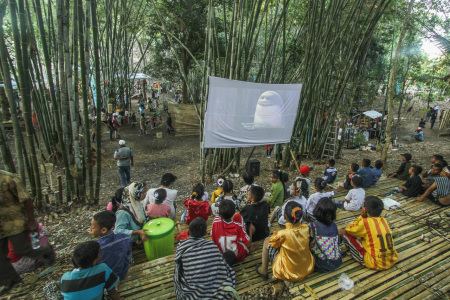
(330, 147)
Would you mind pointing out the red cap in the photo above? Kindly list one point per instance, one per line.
(305, 169)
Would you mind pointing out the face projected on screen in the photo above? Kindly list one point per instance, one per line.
(268, 110)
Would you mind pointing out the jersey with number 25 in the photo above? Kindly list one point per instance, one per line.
(376, 237)
(231, 236)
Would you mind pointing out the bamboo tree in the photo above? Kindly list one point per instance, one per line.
(391, 85)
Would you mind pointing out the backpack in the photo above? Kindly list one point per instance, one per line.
(303, 186)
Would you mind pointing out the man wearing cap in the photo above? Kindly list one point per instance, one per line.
(418, 135)
(124, 157)
(403, 171)
(304, 182)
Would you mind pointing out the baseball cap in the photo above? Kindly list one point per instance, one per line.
(419, 128)
(121, 142)
(408, 156)
(305, 169)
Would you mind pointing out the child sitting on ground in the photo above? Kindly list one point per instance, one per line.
(304, 183)
(435, 172)
(228, 232)
(377, 171)
(89, 279)
(288, 249)
(115, 247)
(195, 206)
(320, 185)
(434, 159)
(413, 186)
(366, 173)
(219, 189)
(227, 194)
(157, 209)
(347, 184)
(255, 215)
(276, 196)
(355, 197)
(296, 197)
(330, 172)
(243, 192)
(197, 262)
(369, 237)
(324, 237)
(116, 200)
(403, 171)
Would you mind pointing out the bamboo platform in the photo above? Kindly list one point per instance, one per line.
(422, 271)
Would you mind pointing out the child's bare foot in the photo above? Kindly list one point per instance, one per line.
(253, 246)
(259, 271)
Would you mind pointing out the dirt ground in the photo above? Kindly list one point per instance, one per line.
(68, 225)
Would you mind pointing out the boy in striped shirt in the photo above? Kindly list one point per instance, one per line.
(369, 237)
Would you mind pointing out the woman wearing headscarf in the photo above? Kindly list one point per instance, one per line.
(130, 217)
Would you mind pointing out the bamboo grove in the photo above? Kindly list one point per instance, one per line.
(61, 47)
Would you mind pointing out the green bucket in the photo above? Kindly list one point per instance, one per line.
(160, 238)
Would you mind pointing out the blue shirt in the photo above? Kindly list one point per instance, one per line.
(125, 224)
(116, 252)
(330, 174)
(419, 135)
(366, 174)
(88, 283)
(376, 174)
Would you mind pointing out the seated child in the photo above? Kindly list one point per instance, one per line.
(366, 173)
(377, 171)
(412, 186)
(227, 194)
(219, 189)
(369, 238)
(243, 192)
(403, 171)
(191, 271)
(434, 159)
(435, 172)
(255, 215)
(195, 206)
(347, 184)
(304, 182)
(156, 209)
(355, 197)
(288, 249)
(228, 232)
(439, 191)
(296, 197)
(320, 185)
(276, 196)
(330, 172)
(324, 237)
(116, 200)
(115, 247)
(89, 279)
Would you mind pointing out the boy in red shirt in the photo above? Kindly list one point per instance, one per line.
(228, 232)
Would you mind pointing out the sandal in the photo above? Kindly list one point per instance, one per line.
(264, 277)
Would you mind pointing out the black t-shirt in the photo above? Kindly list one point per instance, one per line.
(414, 186)
(258, 215)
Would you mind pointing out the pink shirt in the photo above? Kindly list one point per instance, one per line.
(158, 210)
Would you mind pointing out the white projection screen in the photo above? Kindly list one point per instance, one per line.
(246, 114)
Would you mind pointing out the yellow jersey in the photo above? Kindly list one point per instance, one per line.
(376, 238)
(216, 194)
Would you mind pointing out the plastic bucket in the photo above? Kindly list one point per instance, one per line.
(160, 241)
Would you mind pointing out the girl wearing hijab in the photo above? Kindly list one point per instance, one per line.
(130, 217)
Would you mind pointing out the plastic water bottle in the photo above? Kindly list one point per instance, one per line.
(35, 244)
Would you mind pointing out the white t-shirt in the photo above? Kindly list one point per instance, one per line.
(302, 201)
(356, 198)
(171, 195)
(314, 199)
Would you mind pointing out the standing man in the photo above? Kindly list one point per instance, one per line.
(16, 222)
(124, 157)
(433, 119)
